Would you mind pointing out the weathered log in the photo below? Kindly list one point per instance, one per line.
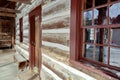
(56, 38)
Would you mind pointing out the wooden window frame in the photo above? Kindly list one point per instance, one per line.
(76, 38)
(21, 29)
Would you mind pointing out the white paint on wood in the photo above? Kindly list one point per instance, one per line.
(68, 68)
(26, 9)
(59, 14)
(51, 73)
(59, 46)
(56, 31)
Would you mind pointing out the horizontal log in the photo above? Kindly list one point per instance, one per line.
(48, 74)
(55, 52)
(52, 31)
(56, 38)
(21, 1)
(9, 10)
(56, 45)
(53, 7)
(64, 71)
(7, 14)
(56, 23)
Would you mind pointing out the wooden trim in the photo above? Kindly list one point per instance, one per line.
(84, 68)
(21, 29)
(76, 34)
(32, 14)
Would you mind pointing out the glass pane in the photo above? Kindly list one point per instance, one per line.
(89, 51)
(87, 4)
(89, 35)
(100, 2)
(115, 37)
(102, 36)
(87, 20)
(113, 0)
(115, 56)
(114, 13)
(100, 16)
(101, 54)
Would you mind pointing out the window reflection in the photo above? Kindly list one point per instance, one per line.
(89, 35)
(115, 13)
(100, 2)
(115, 37)
(102, 36)
(87, 4)
(113, 0)
(101, 54)
(88, 18)
(89, 51)
(115, 56)
(100, 16)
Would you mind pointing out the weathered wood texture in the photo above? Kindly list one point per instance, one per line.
(55, 39)
(8, 70)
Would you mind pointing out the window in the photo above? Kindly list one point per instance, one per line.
(95, 30)
(21, 29)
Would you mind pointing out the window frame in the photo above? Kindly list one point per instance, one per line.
(76, 37)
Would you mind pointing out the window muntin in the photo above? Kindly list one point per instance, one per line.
(98, 32)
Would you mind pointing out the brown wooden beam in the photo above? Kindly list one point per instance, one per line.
(9, 10)
(7, 14)
(22, 1)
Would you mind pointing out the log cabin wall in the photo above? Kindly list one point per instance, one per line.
(55, 39)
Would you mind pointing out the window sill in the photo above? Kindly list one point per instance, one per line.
(91, 70)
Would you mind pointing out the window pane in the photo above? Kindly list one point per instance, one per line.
(113, 0)
(115, 13)
(101, 54)
(115, 36)
(102, 36)
(89, 35)
(87, 4)
(115, 56)
(87, 20)
(100, 16)
(89, 51)
(100, 2)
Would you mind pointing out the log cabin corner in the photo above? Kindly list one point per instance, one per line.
(61, 39)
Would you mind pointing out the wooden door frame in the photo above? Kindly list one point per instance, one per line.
(32, 14)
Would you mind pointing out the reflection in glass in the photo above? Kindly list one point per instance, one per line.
(100, 2)
(114, 13)
(102, 36)
(100, 16)
(89, 51)
(87, 4)
(113, 0)
(87, 18)
(115, 36)
(101, 54)
(115, 56)
(89, 35)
